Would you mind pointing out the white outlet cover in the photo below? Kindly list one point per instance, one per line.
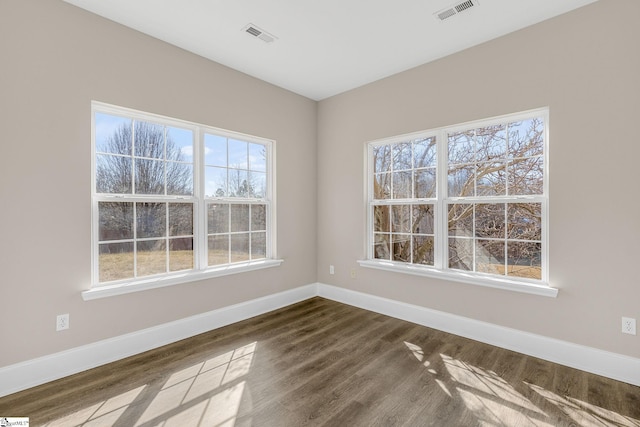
(628, 325)
(62, 322)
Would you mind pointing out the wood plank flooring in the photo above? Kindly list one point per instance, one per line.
(322, 363)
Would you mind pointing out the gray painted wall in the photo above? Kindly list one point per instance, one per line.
(584, 66)
(56, 58)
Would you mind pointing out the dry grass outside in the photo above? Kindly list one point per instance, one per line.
(119, 266)
(221, 257)
(217, 257)
(523, 271)
(520, 271)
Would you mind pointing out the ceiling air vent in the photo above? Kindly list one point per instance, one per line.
(259, 33)
(455, 9)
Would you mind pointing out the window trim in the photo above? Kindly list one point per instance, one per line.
(200, 270)
(177, 278)
(442, 200)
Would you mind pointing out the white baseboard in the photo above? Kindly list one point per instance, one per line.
(607, 364)
(20, 376)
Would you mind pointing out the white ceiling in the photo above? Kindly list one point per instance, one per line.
(325, 47)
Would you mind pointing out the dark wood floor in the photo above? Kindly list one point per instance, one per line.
(321, 363)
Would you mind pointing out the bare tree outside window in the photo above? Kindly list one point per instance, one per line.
(405, 171)
(490, 227)
(236, 173)
(143, 158)
(503, 160)
(173, 200)
(144, 153)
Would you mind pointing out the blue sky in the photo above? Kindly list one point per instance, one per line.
(247, 159)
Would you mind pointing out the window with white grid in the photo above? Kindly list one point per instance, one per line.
(467, 202)
(174, 199)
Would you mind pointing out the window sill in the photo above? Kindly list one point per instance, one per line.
(175, 279)
(470, 278)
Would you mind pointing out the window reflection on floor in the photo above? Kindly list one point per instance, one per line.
(105, 413)
(205, 394)
(585, 413)
(491, 398)
(495, 402)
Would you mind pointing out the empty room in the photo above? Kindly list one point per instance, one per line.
(335, 213)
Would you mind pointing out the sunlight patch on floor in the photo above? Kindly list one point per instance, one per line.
(487, 383)
(495, 402)
(492, 412)
(492, 399)
(205, 394)
(584, 413)
(102, 413)
(444, 388)
(220, 409)
(416, 350)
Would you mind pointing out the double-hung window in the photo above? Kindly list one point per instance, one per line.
(466, 202)
(175, 201)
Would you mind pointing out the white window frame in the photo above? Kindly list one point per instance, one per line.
(199, 201)
(441, 200)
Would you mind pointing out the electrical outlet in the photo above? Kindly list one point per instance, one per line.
(354, 273)
(62, 322)
(628, 325)
(331, 270)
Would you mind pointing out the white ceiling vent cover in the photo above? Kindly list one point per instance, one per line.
(255, 31)
(455, 9)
